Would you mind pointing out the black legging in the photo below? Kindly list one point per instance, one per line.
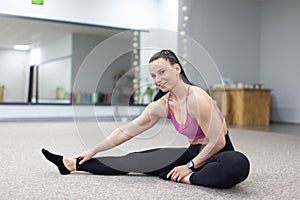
(224, 170)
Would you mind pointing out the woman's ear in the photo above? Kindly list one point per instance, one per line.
(177, 68)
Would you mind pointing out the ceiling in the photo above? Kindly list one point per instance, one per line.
(35, 32)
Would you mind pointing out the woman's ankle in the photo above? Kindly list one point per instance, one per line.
(186, 179)
(70, 164)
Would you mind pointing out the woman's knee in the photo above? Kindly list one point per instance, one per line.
(238, 167)
(226, 170)
(233, 158)
(244, 164)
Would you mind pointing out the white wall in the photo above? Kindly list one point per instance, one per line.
(280, 63)
(13, 74)
(167, 16)
(118, 13)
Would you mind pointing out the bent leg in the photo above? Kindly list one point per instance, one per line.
(224, 170)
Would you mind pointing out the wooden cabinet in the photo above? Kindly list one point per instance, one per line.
(1, 92)
(244, 107)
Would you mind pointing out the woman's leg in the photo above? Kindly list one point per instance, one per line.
(67, 165)
(181, 159)
(95, 166)
(58, 160)
(191, 152)
(224, 170)
(151, 162)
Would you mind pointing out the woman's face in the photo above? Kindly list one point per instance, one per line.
(165, 76)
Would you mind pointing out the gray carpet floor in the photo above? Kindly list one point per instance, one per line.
(25, 174)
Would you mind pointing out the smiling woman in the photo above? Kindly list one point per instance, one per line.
(210, 160)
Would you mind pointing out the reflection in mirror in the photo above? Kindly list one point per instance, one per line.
(13, 74)
(57, 49)
(98, 74)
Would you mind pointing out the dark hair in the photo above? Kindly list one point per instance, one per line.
(172, 58)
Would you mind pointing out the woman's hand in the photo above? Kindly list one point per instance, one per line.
(179, 172)
(85, 156)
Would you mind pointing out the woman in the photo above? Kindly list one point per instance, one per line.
(210, 160)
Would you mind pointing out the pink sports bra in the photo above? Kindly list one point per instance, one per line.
(190, 128)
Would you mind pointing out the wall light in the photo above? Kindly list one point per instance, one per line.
(184, 29)
(135, 33)
(21, 47)
(182, 33)
(185, 18)
(135, 45)
(184, 8)
(135, 63)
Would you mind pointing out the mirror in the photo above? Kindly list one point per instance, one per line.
(46, 72)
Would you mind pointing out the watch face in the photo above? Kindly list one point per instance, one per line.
(190, 164)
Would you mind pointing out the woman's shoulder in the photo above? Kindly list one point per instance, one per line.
(198, 101)
(199, 93)
(159, 107)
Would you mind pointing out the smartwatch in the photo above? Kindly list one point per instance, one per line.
(190, 165)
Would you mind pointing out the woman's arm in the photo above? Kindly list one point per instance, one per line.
(146, 120)
(122, 134)
(210, 122)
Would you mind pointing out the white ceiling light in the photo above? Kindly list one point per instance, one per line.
(21, 47)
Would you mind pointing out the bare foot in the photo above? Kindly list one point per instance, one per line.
(186, 179)
(70, 163)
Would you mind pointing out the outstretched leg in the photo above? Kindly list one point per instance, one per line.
(151, 162)
(95, 166)
(67, 165)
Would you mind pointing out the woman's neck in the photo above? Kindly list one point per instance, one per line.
(178, 92)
